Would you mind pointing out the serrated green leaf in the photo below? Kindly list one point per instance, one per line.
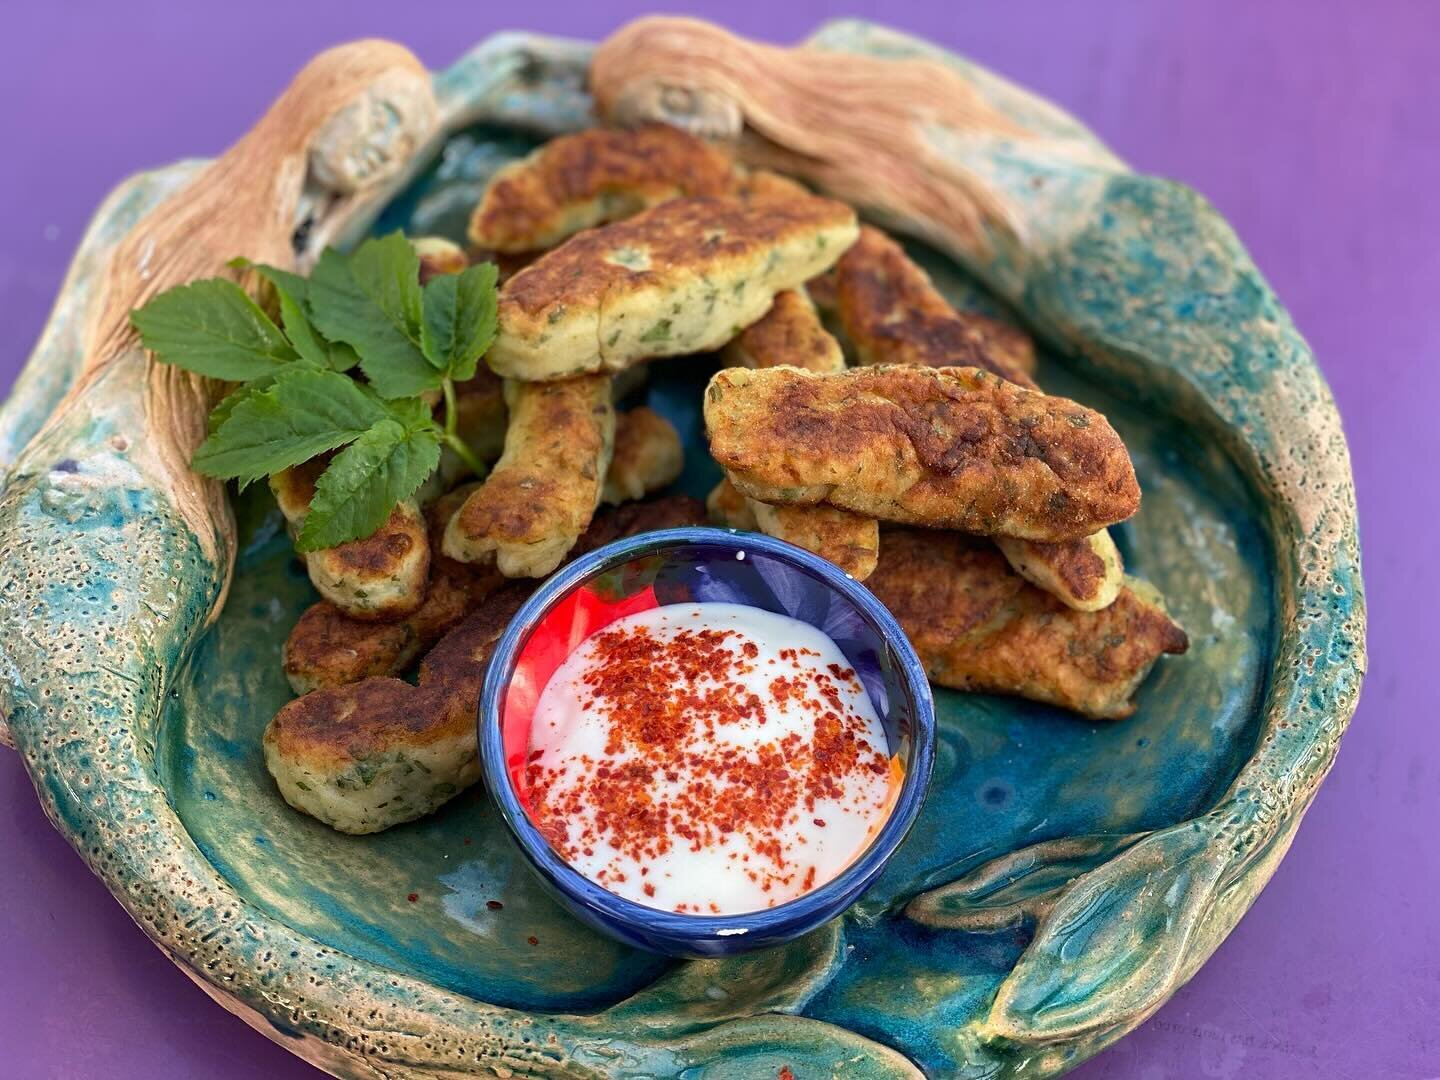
(412, 413)
(212, 328)
(310, 345)
(388, 270)
(342, 356)
(226, 405)
(293, 291)
(459, 320)
(283, 280)
(303, 413)
(362, 485)
(334, 355)
(360, 302)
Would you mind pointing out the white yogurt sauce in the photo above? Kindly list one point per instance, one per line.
(708, 758)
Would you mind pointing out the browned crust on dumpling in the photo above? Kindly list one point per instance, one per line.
(578, 181)
(1076, 565)
(729, 509)
(438, 257)
(790, 333)
(327, 649)
(395, 542)
(544, 489)
(681, 278)
(893, 314)
(850, 541)
(1086, 574)
(953, 448)
(370, 716)
(823, 289)
(977, 625)
(678, 235)
(648, 456)
(351, 723)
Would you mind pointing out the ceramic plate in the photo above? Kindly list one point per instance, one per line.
(1064, 877)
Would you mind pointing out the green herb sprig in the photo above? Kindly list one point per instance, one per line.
(297, 398)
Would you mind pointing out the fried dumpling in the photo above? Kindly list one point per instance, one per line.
(681, 278)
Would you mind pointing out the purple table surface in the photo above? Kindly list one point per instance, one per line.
(1317, 134)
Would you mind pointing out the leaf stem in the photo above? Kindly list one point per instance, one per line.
(465, 454)
(451, 437)
(447, 385)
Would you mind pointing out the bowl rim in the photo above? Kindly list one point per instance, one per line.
(767, 923)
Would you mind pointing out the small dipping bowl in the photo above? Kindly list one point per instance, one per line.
(697, 565)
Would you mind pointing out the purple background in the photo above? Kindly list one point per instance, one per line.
(1316, 132)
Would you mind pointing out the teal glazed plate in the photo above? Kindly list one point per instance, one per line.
(1063, 878)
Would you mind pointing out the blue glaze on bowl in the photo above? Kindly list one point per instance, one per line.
(708, 565)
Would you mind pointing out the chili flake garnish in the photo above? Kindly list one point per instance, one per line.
(694, 758)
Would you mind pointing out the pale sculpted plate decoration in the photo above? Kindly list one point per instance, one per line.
(1064, 877)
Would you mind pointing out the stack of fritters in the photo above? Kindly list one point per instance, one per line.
(891, 313)
(621, 247)
(366, 751)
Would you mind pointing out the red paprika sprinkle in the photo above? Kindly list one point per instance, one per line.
(674, 775)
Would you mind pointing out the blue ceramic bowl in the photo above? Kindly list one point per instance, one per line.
(701, 565)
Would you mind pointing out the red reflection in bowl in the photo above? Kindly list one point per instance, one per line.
(558, 633)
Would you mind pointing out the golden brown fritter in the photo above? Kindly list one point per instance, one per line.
(893, 314)
(1084, 574)
(294, 488)
(850, 541)
(823, 289)
(438, 257)
(328, 648)
(648, 456)
(950, 448)
(364, 757)
(762, 185)
(579, 181)
(544, 489)
(683, 277)
(977, 625)
(790, 333)
(1008, 344)
(379, 577)
(367, 756)
(729, 509)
